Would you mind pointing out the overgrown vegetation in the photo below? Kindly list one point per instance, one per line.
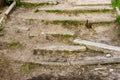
(27, 67)
(118, 19)
(116, 3)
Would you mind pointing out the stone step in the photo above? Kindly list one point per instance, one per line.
(91, 2)
(39, 49)
(86, 61)
(66, 7)
(56, 30)
(98, 46)
(103, 17)
(51, 30)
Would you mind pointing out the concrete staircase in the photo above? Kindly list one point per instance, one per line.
(37, 29)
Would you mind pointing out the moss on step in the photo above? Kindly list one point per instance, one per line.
(118, 19)
(62, 35)
(27, 67)
(75, 23)
(68, 22)
(76, 11)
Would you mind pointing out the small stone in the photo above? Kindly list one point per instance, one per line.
(108, 55)
(111, 70)
(24, 28)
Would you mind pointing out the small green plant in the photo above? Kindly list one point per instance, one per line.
(31, 20)
(116, 3)
(1, 27)
(37, 10)
(118, 19)
(27, 67)
(67, 36)
(13, 43)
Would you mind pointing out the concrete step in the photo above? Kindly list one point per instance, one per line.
(85, 61)
(51, 30)
(98, 46)
(64, 48)
(56, 30)
(67, 7)
(91, 2)
(94, 17)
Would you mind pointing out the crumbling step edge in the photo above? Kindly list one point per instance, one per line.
(98, 46)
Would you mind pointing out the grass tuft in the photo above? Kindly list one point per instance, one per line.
(13, 43)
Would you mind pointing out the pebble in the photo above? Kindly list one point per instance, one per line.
(108, 55)
(111, 70)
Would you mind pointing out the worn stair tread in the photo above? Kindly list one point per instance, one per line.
(103, 17)
(91, 2)
(85, 61)
(72, 8)
(56, 30)
(61, 48)
(97, 46)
